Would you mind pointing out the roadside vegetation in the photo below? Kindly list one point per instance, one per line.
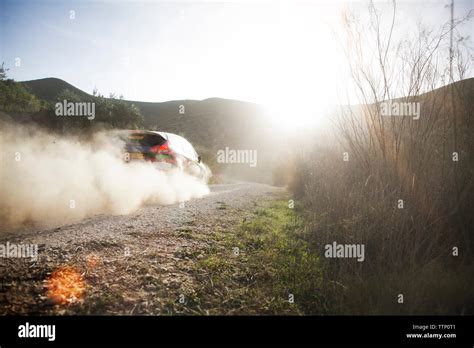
(263, 266)
(110, 113)
(401, 186)
(15, 97)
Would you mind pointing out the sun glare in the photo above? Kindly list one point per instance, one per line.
(302, 88)
(282, 56)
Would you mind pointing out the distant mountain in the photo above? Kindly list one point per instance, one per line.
(214, 124)
(211, 124)
(49, 88)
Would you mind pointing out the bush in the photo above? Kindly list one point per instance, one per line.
(16, 97)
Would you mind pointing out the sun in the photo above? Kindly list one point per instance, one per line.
(294, 73)
(301, 96)
(292, 114)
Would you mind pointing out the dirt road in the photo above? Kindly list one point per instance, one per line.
(142, 263)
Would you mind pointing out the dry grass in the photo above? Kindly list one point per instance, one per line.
(409, 249)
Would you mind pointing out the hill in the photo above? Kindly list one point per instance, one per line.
(215, 123)
(48, 88)
(211, 124)
(206, 122)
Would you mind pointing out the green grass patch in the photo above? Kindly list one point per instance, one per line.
(262, 265)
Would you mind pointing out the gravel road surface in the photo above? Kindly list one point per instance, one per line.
(139, 263)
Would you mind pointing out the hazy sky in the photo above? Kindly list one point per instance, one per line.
(157, 51)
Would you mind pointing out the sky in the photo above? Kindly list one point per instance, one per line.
(258, 51)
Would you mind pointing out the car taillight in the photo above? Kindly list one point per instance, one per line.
(163, 153)
(160, 148)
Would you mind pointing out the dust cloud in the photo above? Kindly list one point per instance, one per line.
(47, 178)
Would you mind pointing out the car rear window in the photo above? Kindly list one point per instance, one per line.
(143, 139)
